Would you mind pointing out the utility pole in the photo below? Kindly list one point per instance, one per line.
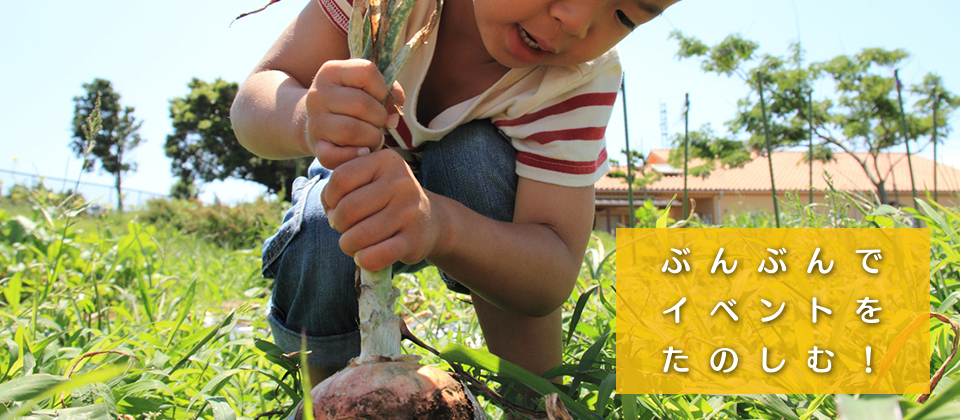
(664, 128)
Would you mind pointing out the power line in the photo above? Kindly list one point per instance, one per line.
(664, 129)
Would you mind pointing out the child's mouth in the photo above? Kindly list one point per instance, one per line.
(525, 47)
(528, 40)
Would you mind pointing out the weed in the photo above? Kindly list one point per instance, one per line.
(111, 317)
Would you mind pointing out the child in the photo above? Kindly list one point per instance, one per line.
(488, 174)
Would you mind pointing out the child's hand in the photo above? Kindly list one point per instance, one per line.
(344, 111)
(383, 212)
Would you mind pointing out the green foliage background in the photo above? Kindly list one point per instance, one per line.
(204, 147)
(161, 314)
(116, 132)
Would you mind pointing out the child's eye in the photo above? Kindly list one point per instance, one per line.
(625, 20)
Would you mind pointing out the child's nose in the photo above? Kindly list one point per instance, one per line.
(574, 16)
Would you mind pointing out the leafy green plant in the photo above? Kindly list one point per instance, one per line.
(241, 226)
(114, 317)
(199, 358)
(647, 215)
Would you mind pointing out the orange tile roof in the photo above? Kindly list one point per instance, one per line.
(792, 173)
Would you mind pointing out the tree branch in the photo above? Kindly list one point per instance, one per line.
(862, 163)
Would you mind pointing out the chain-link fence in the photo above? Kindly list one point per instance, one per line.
(105, 195)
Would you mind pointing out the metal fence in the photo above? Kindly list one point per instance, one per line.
(101, 193)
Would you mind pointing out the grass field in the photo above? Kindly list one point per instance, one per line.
(160, 313)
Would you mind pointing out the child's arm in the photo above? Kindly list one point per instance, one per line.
(301, 100)
(528, 266)
(531, 265)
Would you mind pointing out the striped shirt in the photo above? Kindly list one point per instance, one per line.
(555, 116)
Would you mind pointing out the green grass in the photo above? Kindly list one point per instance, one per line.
(108, 316)
(80, 295)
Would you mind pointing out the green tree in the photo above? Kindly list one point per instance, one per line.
(858, 115)
(184, 189)
(203, 145)
(118, 133)
(711, 149)
(640, 175)
(785, 85)
(785, 79)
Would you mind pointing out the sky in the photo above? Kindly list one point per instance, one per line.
(150, 50)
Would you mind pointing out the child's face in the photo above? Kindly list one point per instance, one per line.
(522, 33)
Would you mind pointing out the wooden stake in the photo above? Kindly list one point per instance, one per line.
(906, 139)
(626, 134)
(766, 135)
(686, 153)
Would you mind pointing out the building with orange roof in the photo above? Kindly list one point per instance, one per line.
(747, 189)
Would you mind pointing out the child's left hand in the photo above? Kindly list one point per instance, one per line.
(382, 211)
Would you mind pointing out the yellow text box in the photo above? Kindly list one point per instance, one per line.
(758, 307)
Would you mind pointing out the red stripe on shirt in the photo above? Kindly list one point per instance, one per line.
(563, 166)
(336, 15)
(585, 133)
(390, 142)
(579, 101)
(406, 137)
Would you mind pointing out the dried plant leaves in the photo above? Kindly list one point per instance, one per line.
(555, 408)
(375, 31)
(255, 11)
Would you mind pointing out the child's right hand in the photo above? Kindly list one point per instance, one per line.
(344, 111)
